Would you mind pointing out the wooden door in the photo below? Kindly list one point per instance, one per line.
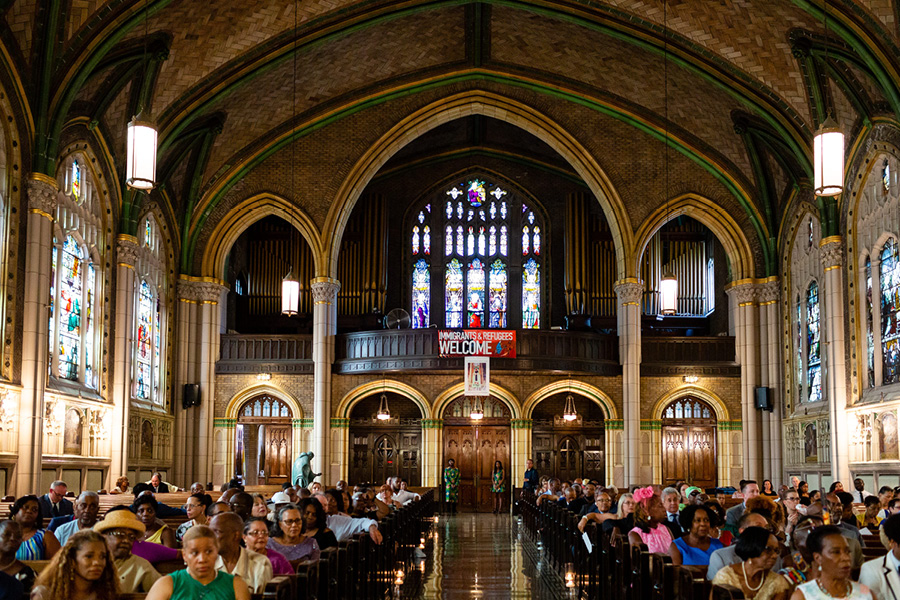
(689, 443)
(475, 449)
(493, 445)
(385, 458)
(278, 453)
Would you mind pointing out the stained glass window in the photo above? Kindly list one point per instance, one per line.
(475, 300)
(76, 180)
(886, 176)
(148, 232)
(799, 349)
(890, 311)
(809, 233)
(498, 296)
(454, 294)
(145, 342)
(474, 284)
(526, 243)
(71, 301)
(531, 295)
(421, 307)
(870, 327)
(813, 351)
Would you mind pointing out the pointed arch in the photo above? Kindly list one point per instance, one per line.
(719, 221)
(596, 395)
(457, 390)
(376, 387)
(238, 400)
(691, 390)
(242, 216)
(476, 102)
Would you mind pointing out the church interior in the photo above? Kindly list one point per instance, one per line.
(630, 187)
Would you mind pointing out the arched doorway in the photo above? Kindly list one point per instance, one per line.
(689, 442)
(475, 445)
(388, 448)
(263, 441)
(568, 449)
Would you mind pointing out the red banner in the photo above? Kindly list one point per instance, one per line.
(496, 343)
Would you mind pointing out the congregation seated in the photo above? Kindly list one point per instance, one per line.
(195, 506)
(649, 527)
(287, 535)
(87, 508)
(695, 546)
(10, 540)
(158, 532)
(315, 524)
(256, 538)
(255, 569)
(259, 506)
(201, 578)
(122, 485)
(757, 551)
(728, 555)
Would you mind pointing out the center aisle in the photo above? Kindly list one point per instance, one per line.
(483, 556)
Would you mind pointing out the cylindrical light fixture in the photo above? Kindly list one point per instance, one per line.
(569, 413)
(384, 413)
(140, 166)
(290, 295)
(477, 410)
(828, 151)
(668, 294)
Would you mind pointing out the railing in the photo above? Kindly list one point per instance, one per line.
(612, 568)
(687, 350)
(269, 353)
(411, 349)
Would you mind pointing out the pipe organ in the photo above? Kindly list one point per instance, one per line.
(590, 260)
(273, 248)
(362, 264)
(683, 247)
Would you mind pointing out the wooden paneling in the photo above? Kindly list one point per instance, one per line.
(685, 350)
(475, 449)
(689, 443)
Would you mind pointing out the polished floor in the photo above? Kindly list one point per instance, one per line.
(482, 556)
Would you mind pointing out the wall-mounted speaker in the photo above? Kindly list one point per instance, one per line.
(764, 399)
(191, 395)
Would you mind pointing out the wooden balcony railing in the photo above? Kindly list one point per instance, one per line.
(265, 353)
(687, 350)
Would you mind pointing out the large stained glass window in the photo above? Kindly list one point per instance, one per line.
(473, 223)
(799, 349)
(870, 327)
(813, 348)
(72, 312)
(890, 311)
(421, 294)
(146, 340)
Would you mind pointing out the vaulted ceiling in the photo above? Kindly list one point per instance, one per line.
(736, 87)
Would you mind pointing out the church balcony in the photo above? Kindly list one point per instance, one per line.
(418, 349)
(689, 355)
(290, 354)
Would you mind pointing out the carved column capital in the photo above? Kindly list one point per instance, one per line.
(324, 290)
(744, 294)
(769, 292)
(126, 250)
(831, 253)
(629, 291)
(200, 292)
(42, 195)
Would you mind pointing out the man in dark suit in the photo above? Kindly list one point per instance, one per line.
(54, 503)
(157, 485)
(670, 498)
(749, 489)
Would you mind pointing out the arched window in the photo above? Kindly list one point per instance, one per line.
(813, 350)
(471, 260)
(799, 349)
(148, 315)
(870, 327)
(890, 310)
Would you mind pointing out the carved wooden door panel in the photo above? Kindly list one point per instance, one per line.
(384, 460)
(703, 456)
(360, 466)
(493, 445)
(568, 460)
(459, 444)
(278, 454)
(675, 455)
(409, 459)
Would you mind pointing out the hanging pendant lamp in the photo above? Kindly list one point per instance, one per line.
(141, 161)
(290, 295)
(668, 285)
(477, 410)
(828, 145)
(668, 294)
(569, 413)
(384, 413)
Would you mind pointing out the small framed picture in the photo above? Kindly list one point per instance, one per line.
(478, 376)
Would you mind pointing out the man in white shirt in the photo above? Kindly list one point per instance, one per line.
(255, 569)
(881, 575)
(87, 506)
(859, 492)
(345, 527)
(400, 495)
(120, 529)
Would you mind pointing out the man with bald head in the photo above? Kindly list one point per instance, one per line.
(255, 569)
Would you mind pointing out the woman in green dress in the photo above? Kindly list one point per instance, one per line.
(498, 486)
(451, 485)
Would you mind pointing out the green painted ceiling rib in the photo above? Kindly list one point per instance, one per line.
(769, 258)
(48, 131)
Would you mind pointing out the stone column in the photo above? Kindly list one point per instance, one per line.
(432, 450)
(769, 295)
(324, 294)
(521, 452)
(629, 292)
(202, 302)
(123, 344)
(744, 315)
(42, 198)
(831, 253)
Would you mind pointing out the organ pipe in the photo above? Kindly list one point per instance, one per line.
(362, 263)
(688, 245)
(590, 261)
